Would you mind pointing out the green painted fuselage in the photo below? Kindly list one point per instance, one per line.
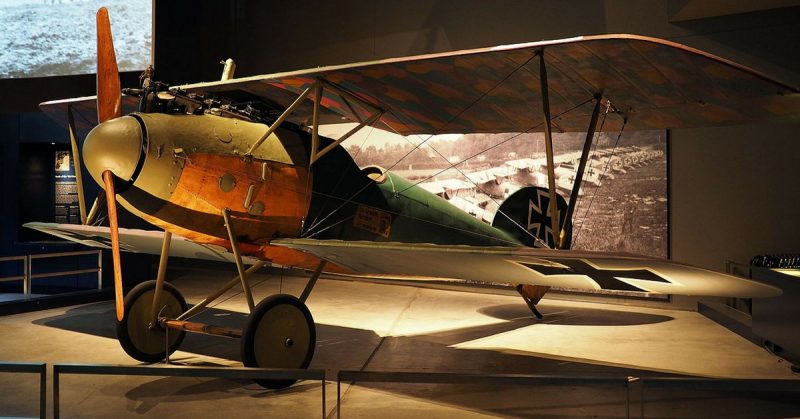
(415, 215)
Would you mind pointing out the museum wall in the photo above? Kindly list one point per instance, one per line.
(733, 193)
(282, 35)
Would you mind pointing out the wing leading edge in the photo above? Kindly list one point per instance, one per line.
(138, 241)
(653, 83)
(518, 265)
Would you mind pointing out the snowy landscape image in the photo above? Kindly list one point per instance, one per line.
(57, 37)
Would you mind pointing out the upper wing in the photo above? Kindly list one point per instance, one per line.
(654, 83)
(525, 265)
(85, 109)
(138, 241)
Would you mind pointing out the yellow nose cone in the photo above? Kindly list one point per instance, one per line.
(114, 145)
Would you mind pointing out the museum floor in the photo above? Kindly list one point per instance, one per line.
(379, 327)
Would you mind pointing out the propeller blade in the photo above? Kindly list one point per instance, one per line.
(111, 200)
(76, 158)
(109, 98)
(99, 201)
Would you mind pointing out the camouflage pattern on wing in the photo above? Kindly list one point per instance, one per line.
(654, 83)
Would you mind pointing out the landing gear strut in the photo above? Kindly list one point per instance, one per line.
(532, 294)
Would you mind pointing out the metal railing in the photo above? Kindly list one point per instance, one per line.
(482, 379)
(634, 386)
(31, 368)
(181, 371)
(28, 276)
(23, 277)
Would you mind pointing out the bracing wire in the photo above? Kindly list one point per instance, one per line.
(502, 213)
(451, 166)
(605, 168)
(341, 178)
(497, 145)
(235, 294)
(446, 123)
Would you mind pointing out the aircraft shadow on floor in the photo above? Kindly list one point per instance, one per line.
(345, 348)
(575, 316)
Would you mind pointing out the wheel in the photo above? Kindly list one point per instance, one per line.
(134, 333)
(280, 333)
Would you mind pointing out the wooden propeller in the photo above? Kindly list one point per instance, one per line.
(109, 98)
(109, 101)
(111, 200)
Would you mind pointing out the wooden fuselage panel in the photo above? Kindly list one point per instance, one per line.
(211, 183)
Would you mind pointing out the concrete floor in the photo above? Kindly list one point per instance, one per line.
(377, 327)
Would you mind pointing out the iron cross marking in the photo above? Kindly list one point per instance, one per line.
(606, 278)
(539, 216)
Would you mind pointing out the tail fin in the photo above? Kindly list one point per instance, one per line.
(525, 215)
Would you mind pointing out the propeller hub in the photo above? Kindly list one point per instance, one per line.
(114, 145)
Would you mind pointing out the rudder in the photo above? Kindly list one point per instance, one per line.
(529, 208)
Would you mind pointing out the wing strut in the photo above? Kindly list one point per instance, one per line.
(576, 187)
(319, 87)
(374, 111)
(532, 294)
(548, 145)
(238, 258)
(312, 281)
(374, 117)
(315, 123)
(280, 119)
(162, 274)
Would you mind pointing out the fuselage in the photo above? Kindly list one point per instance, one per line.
(187, 169)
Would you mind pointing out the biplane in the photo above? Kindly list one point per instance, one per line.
(236, 170)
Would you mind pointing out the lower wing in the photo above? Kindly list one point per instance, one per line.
(509, 265)
(138, 241)
(525, 265)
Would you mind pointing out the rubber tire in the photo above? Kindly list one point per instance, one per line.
(249, 350)
(125, 329)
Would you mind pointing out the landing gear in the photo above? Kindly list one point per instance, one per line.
(280, 333)
(139, 336)
(532, 294)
